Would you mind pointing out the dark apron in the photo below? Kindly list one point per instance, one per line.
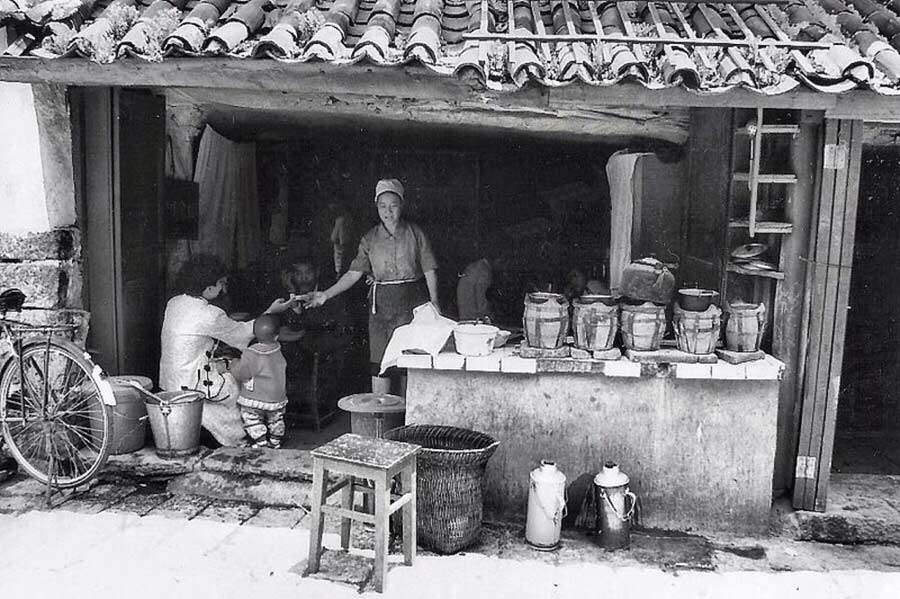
(394, 308)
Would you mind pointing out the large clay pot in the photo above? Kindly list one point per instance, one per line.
(697, 332)
(594, 323)
(643, 326)
(546, 320)
(745, 327)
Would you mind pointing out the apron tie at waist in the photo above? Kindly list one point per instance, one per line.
(375, 285)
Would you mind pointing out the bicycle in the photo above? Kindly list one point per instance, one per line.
(55, 403)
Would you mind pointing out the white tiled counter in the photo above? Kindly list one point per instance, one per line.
(506, 360)
(698, 440)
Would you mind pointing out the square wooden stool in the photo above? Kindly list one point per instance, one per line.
(378, 460)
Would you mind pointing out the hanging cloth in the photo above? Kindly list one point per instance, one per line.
(229, 206)
(622, 170)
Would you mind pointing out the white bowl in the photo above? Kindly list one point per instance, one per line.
(475, 339)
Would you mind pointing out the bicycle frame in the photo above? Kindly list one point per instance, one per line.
(15, 342)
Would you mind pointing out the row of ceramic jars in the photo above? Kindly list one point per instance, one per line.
(596, 320)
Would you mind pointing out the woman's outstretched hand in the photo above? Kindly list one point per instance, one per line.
(314, 299)
(280, 305)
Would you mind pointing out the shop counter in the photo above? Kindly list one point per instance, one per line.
(697, 440)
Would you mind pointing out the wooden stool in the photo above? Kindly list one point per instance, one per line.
(377, 460)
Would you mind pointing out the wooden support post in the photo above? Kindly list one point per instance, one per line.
(787, 338)
(835, 220)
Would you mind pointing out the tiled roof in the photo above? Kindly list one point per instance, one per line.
(858, 40)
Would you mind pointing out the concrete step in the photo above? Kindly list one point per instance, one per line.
(145, 463)
(277, 464)
(250, 488)
(861, 509)
(271, 477)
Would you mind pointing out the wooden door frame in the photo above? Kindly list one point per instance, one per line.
(830, 265)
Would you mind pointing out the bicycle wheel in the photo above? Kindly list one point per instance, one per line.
(53, 415)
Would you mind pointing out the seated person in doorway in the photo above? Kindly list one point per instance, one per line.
(261, 374)
(307, 332)
(193, 326)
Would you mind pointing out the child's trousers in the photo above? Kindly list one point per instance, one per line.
(263, 421)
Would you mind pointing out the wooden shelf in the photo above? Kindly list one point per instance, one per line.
(769, 274)
(770, 129)
(784, 178)
(764, 226)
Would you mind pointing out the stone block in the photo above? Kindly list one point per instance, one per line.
(414, 361)
(181, 506)
(344, 567)
(607, 354)
(277, 517)
(860, 509)
(58, 244)
(283, 464)
(46, 283)
(145, 463)
(489, 363)
(724, 370)
(737, 357)
(622, 368)
(670, 356)
(515, 364)
(228, 511)
(80, 319)
(526, 351)
(140, 503)
(243, 487)
(449, 361)
(693, 371)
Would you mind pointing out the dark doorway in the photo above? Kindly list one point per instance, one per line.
(868, 422)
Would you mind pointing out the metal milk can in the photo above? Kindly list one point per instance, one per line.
(546, 506)
(615, 506)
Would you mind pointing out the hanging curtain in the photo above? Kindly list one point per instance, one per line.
(229, 206)
(622, 171)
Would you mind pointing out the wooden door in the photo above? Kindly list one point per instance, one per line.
(140, 136)
(123, 137)
(706, 205)
(828, 287)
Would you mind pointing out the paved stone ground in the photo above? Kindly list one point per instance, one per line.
(139, 486)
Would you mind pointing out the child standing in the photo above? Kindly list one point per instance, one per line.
(261, 373)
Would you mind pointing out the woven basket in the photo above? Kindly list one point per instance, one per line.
(450, 473)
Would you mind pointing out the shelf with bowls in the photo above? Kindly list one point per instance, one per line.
(746, 269)
(764, 226)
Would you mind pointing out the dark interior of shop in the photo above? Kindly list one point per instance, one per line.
(868, 419)
(539, 208)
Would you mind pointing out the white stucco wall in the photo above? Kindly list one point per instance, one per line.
(36, 187)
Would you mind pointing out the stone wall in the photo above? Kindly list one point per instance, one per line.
(40, 241)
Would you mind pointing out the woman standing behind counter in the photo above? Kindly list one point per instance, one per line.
(397, 257)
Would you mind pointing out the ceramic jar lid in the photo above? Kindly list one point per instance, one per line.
(611, 476)
(373, 403)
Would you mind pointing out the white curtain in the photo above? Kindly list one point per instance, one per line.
(229, 206)
(623, 173)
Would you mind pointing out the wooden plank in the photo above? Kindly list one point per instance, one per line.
(408, 82)
(821, 233)
(844, 274)
(787, 336)
(767, 274)
(829, 310)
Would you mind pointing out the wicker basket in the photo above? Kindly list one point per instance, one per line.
(449, 483)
